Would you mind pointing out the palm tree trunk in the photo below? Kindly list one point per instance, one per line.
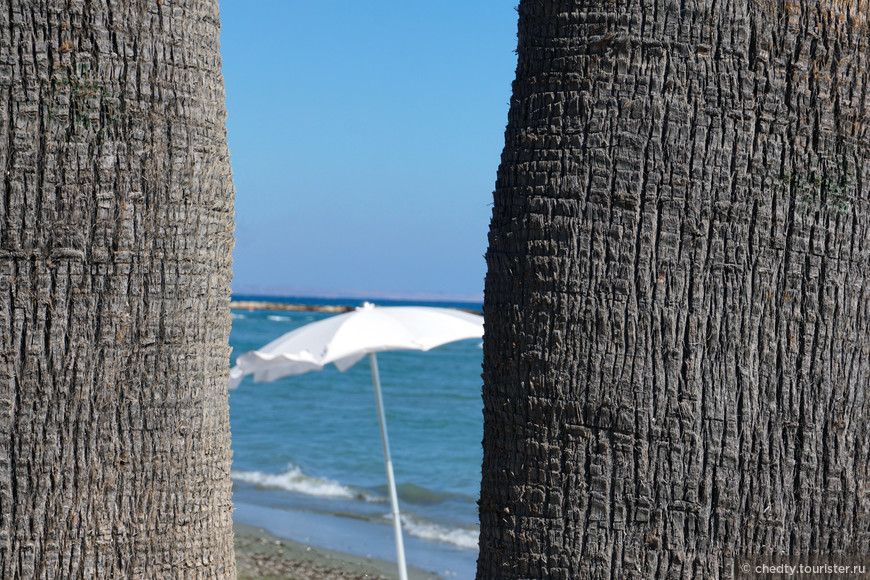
(115, 241)
(677, 348)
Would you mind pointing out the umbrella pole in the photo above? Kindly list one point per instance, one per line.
(391, 480)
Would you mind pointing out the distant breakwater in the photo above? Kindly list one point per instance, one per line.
(295, 307)
(288, 307)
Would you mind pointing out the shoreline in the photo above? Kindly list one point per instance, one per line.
(354, 542)
(261, 555)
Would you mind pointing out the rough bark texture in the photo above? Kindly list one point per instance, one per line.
(115, 257)
(677, 349)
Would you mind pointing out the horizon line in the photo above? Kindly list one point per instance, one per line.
(291, 291)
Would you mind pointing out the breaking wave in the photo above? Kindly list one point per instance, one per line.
(459, 537)
(294, 479)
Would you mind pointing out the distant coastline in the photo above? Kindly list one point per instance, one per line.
(332, 305)
(328, 296)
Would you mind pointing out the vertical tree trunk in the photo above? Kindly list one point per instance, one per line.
(677, 349)
(115, 241)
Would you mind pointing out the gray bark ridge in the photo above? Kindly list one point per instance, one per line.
(677, 304)
(116, 223)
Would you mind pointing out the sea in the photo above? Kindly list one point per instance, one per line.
(308, 462)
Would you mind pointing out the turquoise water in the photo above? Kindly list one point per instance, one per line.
(311, 444)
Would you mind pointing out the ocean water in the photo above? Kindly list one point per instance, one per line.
(310, 444)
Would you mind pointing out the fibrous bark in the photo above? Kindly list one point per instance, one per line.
(115, 242)
(677, 348)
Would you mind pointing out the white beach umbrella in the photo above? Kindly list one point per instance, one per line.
(344, 340)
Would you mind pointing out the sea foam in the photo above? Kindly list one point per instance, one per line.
(294, 479)
(459, 537)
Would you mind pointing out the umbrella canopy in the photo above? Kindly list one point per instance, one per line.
(346, 338)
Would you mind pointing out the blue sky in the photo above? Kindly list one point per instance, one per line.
(364, 138)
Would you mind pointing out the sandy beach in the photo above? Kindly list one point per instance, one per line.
(264, 556)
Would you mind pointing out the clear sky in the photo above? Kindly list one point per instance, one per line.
(364, 138)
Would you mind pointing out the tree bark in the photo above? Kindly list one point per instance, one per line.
(115, 261)
(677, 348)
